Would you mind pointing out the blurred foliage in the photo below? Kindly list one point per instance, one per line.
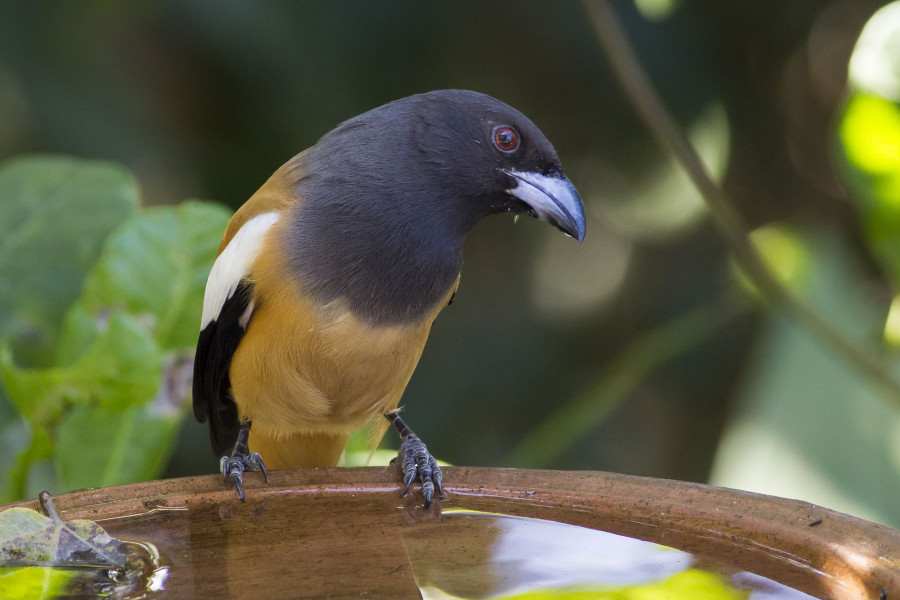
(104, 399)
(803, 417)
(828, 434)
(47, 247)
(870, 133)
(574, 419)
(793, 106)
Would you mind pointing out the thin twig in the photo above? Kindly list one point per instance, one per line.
(669, 135)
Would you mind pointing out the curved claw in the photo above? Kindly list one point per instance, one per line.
(233, 469)
(223, 467)
(408, 478)
(436, 475)
(237, 480)
(256, 462)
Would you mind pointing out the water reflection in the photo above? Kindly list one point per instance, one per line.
(484, 555)
(314, 544)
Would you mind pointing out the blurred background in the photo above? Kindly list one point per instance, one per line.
(642, 351)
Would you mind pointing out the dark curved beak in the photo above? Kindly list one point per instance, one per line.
(551, 198)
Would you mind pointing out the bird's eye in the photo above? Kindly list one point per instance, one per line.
(506, 139)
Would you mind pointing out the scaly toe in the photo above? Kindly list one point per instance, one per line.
(417, 463)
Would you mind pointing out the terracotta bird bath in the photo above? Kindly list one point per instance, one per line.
(336, 533)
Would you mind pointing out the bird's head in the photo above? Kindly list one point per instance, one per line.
(461, 155)
(496, 158)
(388, 197)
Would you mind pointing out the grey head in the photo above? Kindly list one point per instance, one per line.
(388, 197)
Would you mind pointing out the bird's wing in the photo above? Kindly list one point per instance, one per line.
(228, 303)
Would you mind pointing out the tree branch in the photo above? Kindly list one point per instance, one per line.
(668, 134)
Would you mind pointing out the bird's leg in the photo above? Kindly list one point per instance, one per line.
(240, 461)
(416, 460)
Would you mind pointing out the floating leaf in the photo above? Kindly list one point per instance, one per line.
(29, 538)
(27, 583)
(45, 556)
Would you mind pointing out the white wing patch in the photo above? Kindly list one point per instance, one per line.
(233, 264)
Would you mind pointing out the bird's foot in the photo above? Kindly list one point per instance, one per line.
(416, 462)
(233, 468)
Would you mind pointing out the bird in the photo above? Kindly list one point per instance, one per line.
(328, 279)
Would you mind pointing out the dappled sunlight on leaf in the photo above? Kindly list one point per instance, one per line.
(870, 135)
(870, 131)
(892, 324)
(783, 252)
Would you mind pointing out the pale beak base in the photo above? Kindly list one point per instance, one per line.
(552, 198)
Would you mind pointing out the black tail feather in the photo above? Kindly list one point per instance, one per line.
(212, 384)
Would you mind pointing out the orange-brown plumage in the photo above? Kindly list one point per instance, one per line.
(329, 277)
(308, 374)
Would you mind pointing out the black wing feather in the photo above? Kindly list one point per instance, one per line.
(212, 385)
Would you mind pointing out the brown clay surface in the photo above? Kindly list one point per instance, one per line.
(346, 532)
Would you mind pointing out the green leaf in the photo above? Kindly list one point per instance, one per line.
(42, 556)
(14, 437)
(56, 214)
(154, 267)
(122, 368)
(28, 460)
(870, 136)
(96, 447)
(79, 332)
(27, 536)
(28, 583)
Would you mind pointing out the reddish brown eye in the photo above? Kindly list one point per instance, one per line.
(506, 138)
